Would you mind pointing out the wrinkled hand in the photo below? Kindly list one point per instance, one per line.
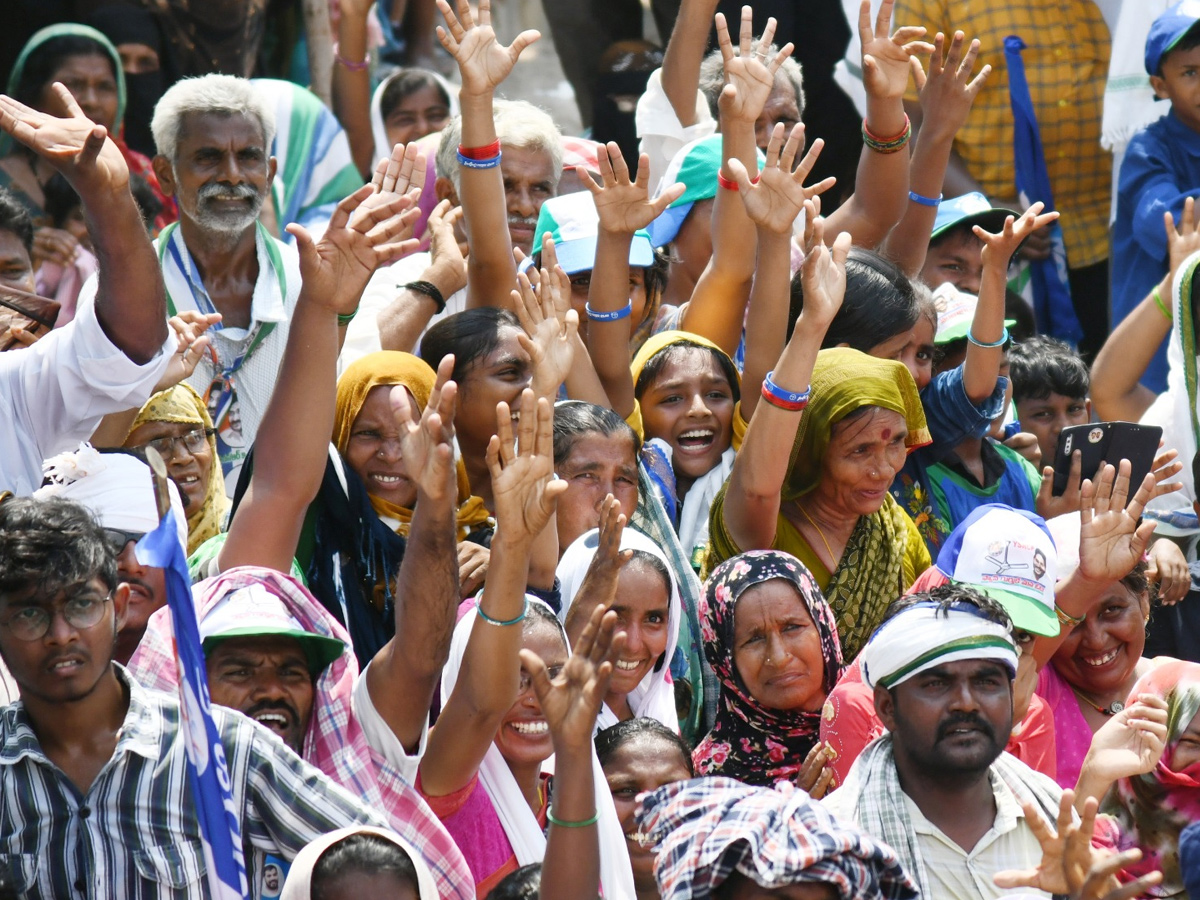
(482, 60)
(815, 776)
(54, 245)
(998, 249)
(823, 276)
(549, 322)
(947, 93)
(625, 206)
(524, 488)
(446, 260)
(774, 202)
(572, 701)
(749, 76)
(1168, 568)
(473, 562)
(337, 268)
(1183, 241)
(1110, 540)
(885, 57)
(599, 585)
(1131, 742)
(192, 343)
(75, 145)
(427, 444)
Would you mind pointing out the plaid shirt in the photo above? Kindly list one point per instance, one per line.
(335, 742)
(134, 834)
(1066, 61)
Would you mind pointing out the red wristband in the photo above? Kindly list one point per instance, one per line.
(730, 184)
(488, 152)
(889, 140)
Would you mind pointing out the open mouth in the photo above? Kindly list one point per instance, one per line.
(628, 665)
(67, 666)
(640, 839)
(1097, 661)
(696, 440)
(532, 727)
(276, 721)
(388, 480)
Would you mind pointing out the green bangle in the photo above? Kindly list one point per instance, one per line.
(500, 622)
(1163, 308)
(561, 824)
(1065, 618)
(347, 318)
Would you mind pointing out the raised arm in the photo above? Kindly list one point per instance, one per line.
(403, 675)
(525, 493)
(130, 298)
(684, 54)
(352, 81)
(369, 228)
(760, 467)
(946, 97)
(624, 207)
(881, 185)
(483, 63)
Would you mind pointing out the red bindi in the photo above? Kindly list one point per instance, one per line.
(887, 433)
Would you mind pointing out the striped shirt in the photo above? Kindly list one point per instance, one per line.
(134, 834)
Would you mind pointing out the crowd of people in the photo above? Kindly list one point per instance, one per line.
(698, 513)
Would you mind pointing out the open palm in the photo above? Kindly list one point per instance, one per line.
(776, 199)
(749, 75)
(427, 444)
(524, 489)
(624, 206)
(482, 60)
(1110, 540)
(885, 56)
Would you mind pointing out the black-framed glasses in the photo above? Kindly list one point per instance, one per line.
(118, 540)
(30, 623)
(194, 441)
(527, 679)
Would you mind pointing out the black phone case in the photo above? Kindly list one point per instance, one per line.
(1106, 442)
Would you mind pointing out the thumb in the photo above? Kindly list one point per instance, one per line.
(304, 242)
(1016, 878)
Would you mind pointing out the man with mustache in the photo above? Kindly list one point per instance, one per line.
(213, 136)
(938, 786)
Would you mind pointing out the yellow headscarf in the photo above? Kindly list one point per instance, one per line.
(844, 380)
(182, 404)
(390, 367)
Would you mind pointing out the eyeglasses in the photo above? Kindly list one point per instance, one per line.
(30, 623)
(527, 679)
(194, 440)
(119, 540)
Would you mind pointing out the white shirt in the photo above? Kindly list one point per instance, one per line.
(380, 735)
(54, 394)
(660, 132)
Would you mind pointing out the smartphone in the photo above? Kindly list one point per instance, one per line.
(1106, 442)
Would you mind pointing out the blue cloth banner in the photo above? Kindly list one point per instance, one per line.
(220, 830)
(1051, 289)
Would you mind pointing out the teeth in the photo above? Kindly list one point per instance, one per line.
(640, 838)
(272, 719)
(531, 727)
(387, 479)
(66, 664)
(189, 479)
(700, 434)
(1103, 660)
(628, 665)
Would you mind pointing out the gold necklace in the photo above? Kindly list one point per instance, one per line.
(1111, 710)
(833, 559)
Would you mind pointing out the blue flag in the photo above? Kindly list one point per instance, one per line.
(220, 830)
(1051, 290)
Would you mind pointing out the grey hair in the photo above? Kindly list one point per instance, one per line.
(712, 78)
(518, 124)
(225, 94)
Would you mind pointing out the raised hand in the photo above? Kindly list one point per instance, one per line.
(191, 345)
(524, 488)
(1131, 742)
(572, 701)
(749, 75)
(1167, 567)
(482, 60)
(447, 262)
(599, 586)
(549, 322)
(823, 276)
(1110, 539)
(1102, 882)
(427, 444)
(1183, 241)
(948, 91)
(336, 269)
(75, 145)
(1051, 874)
(885, 56)
(1166, 466)
(998, 249)
(625, 206)
(402, 174)
(775, 200)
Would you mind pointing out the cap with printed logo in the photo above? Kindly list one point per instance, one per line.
(253, 611)
(574, 225)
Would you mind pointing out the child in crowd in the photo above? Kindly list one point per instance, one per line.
(1050, 384)
(1174, 628)
(1160, 170)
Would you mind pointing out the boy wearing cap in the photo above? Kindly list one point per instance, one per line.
(1160, 170)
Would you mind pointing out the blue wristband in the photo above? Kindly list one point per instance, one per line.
(1000, 343)
(500, 622)
(924, 201)
(613, 316)
(469, 163)
(785, 399)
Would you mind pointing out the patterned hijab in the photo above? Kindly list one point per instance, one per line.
(709, 828)
(750, 742)
(390, 367)
(182, 404)
(1153, 809)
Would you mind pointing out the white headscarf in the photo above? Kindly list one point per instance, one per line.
(298, 885)
(654, 697)
(383, 147)
(519, 823)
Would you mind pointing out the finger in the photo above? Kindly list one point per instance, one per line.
(775, 147)
(781, 57)
(740, 175)
(968, 59)
(746, 33)
(883, 21)
(68, 101)
(1141, 497)
(790, 148)
(864, 23)
(954, 55)
(504, 431)
(723, 39)
(93, 145)
(544, 421)
(485, 12)
(978, 81)
(539, 675)
(810, 158)
(918, 72)
(521, 41)
(765, 39)
(1016, 878)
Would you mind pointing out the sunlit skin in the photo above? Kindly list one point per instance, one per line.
(266, 678)
(692, 245)
(360, 885)
(642, 764)
(138, 59)
(190, 470)
(643, 608)
(1186, 751)
(373, 451)
(1046, 417)
(147, 594)
(499, 376)
(581, 283)
(92, 81)
(914, 348)
(596, 465)
(781, 108)
(529, 181)
(1180, 83)
(777, 649)
(1100, 656)
(862, 459)
(690, 406)
(525, 749)
(739, 887)
(16, 268)
(422, 112)
(955, 259)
